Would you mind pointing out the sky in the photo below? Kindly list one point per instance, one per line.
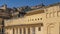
(20, 3)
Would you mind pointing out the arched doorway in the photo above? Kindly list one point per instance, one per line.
(51, 29)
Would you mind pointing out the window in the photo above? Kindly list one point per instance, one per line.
(41, 18)
(38, 18)
(33, 19)
(39, 28)
(41, 24)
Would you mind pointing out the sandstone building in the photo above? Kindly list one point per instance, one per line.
(27, 20)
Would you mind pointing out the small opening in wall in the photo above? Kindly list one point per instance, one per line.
(41, 18)
(39, 28)
(38, 18)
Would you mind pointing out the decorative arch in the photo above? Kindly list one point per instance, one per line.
(51, 28)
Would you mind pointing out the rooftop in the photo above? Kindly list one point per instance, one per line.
(25, 10)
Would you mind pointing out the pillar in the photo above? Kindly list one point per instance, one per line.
(26, 30)
(22, 30)
(16, 30)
